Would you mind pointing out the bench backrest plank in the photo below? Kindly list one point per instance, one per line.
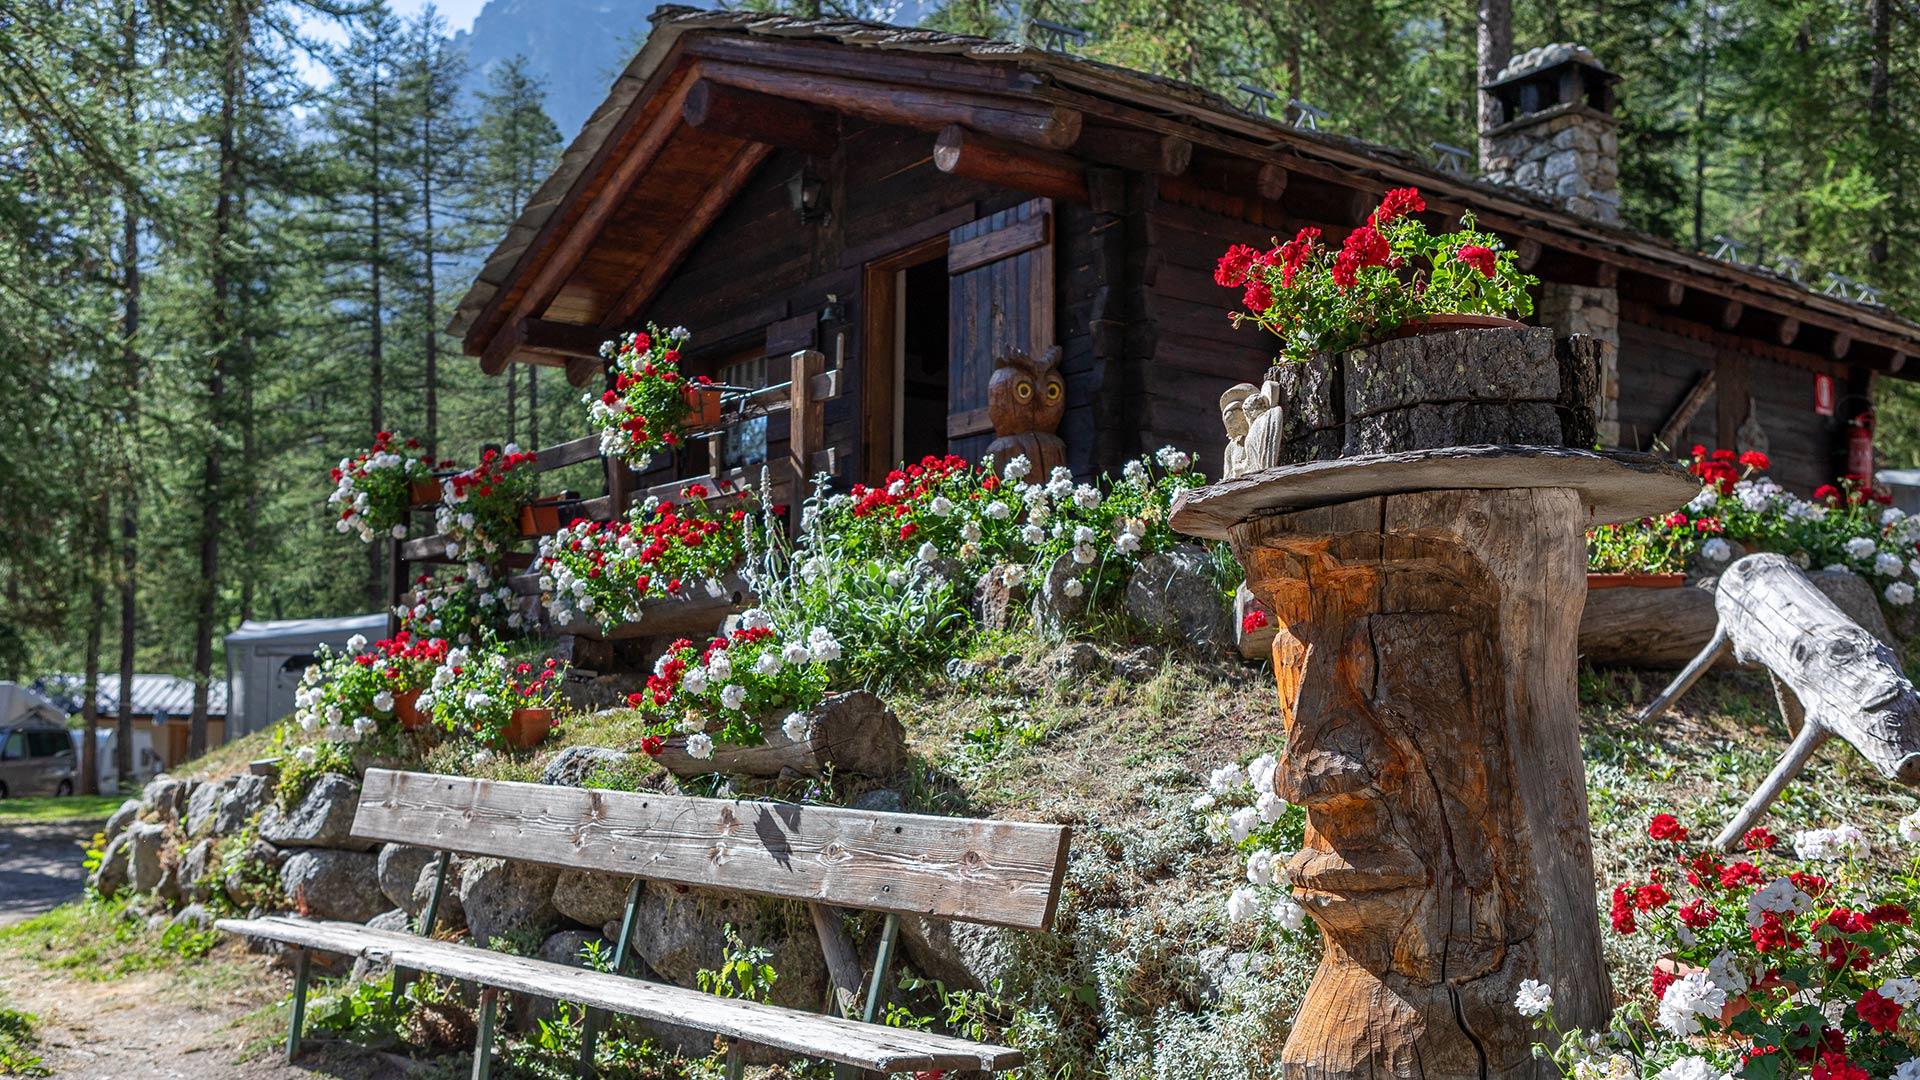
(1003, 873)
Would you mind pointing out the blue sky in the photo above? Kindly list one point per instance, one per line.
(459, 15)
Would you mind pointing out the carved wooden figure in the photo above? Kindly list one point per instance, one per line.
(1425, 658)
(1026, 399)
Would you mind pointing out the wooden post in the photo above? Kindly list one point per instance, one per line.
(806, 427)
(301, 960)
(483, 1038)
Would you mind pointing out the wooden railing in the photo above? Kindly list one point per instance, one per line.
(803, 396)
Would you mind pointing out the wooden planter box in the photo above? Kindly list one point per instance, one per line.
(423, 493)
(1635, 581)
(1437, 386)
(705, 403)
(546, 517)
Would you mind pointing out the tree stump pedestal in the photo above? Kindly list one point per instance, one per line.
(1427, 606)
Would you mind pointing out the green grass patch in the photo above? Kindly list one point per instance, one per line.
(19, 1045)
(95, 940)
(47, 809)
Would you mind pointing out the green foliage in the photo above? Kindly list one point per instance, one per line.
(744, 971)
(19, 1054)
(303, 765)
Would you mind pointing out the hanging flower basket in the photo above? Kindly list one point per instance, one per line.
(423, 493)
(542, 518)
(703, 404)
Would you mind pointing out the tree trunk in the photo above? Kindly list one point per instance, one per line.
(376, 360)
(432, 440)
(1880, 115)
(1495, 49)
(852, 734)
(97, 570)
(1425, 664)
(130, 285)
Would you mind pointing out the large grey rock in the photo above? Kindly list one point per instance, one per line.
(1175, 591)
(400, 866)
(680, 932)
(255, 867)
(561, 948)
(1138, 665)
(1074, 661)
(591, 899)
(1852, 594)
(323, 883)
(1054, 606)
(957, 953)
(203, 806)
(145, 843)
(323, 819)
(193, 917)
(449, 915)
(500, 897)
(128, 813)
(373, 966)
(572, 766)
(196, 872)
(166, 797)
(111, 875)
(248, 796)
(397, 921)
(1000, 595)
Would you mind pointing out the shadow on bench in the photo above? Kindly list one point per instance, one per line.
(994, 872)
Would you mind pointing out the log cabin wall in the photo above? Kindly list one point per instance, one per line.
(1663, 357)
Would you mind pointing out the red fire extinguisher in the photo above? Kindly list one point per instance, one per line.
(1860, 447)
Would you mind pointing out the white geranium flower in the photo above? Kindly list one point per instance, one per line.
(793, 652)
(425, 703)
(732, 696)
(383, 701)
(1084, 554)
(822, 646)
(1901, 991)
(1706, 500)
(1241, 905)
(1780, 896)
(335, 715)
(720, 668)
(928, 553)
(1135, 473)
(1260, 867)
(1242, 822)
(1225, 779)
(1689, 998)
(1691, 1067)
(767, 663)
(1289, 915)
(1074, 588)
(694, 679)
(1887, 564)
(1086, 496)
(1271, 807)
(336, 732)
(999, 511)
(1017, 469)
(797, 727)
(1534, 998)
(756, 619)
(970, 532)
(1172, 460)
(1891, 516)
(1861, 547)
(1909, 828)
(1726, 974)
(306, 755)
(896, 577)
(1033, 535)
(1899, 594)
(364, 726)
(1126, 544)
(1907, 1070)
(700, 746)
(941, 506)
(1203, 803)
(1836, 844)
(356, 644)
(1716, 550)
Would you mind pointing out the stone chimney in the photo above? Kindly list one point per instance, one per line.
(1556, 136)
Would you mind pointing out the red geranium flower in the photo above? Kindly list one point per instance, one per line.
(1254, 620)
(1231, 271)
(1759, 838)
(1480, 258)
(1621, 913)
(1666, 827)
(1880, 1014)
(1396, 203)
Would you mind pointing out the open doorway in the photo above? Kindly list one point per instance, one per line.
(907, 394)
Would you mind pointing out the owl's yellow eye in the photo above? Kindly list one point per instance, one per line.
(1023, 392)
(1054, 390)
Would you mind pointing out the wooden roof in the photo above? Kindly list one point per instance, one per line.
(671, 146)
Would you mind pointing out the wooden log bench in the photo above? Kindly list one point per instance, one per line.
(998, 873)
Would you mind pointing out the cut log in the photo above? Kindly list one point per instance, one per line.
(1646, 628)
(973, 156)
(852, 734)
(745, 114)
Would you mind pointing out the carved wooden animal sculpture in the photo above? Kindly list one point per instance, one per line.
(1425, 657)
(1827, 668)
(1026, 399)
(1235, 420)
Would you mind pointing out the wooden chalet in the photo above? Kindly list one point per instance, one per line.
(911, 205)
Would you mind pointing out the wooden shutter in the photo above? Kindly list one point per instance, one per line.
(999, 297)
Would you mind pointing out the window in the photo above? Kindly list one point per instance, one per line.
(746, 442)
(48, 743)
(16, 747)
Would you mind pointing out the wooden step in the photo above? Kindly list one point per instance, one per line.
(867, 1046)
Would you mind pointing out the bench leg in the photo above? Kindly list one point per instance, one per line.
(590, 1024)
(877, 989)
(736, 1061)
(299, 1018)
(483, 1040)
(401, 976)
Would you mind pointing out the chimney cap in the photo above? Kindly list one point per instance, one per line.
(1537, 60)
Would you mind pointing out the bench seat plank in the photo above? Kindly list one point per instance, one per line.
(1003, 873)
(867, 1046)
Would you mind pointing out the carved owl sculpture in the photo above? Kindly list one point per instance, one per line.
(1026, 399)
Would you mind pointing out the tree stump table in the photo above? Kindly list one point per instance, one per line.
(1427, 605)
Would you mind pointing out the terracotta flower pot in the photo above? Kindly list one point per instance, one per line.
(423, 493)
(1440, 324)
(539, 519)
(1635, 581)
(406, 708)
(705, 403)
(527, 728)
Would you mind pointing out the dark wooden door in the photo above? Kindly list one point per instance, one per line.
(1000, 297)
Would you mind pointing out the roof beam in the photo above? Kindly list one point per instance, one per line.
(1049, 127)
(1140, 151)
(968, 154)
(756, 117)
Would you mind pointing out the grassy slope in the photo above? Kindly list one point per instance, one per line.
(1130, 985)
(40, 810)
